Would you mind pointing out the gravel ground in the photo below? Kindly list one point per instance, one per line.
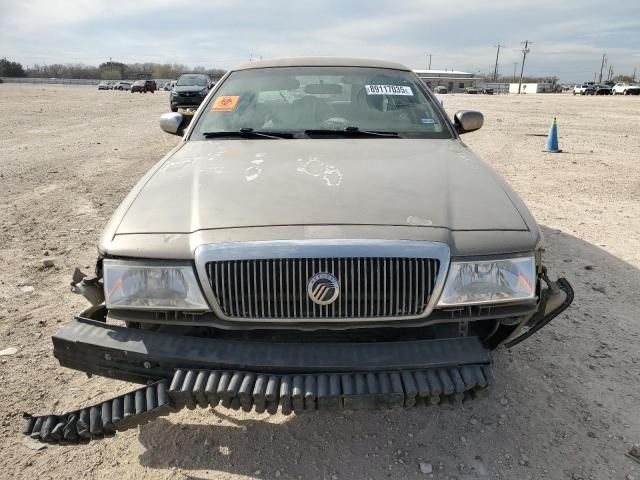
(566, 404)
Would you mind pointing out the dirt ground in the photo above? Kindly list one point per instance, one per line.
(566, 403)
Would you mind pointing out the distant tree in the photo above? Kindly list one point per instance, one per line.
(216, 72)
(106, 71)
(11, 69)
(488, 78)
(112, 70)
(623, 79)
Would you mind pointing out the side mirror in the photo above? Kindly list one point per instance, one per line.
(467, 121)
(172, 123)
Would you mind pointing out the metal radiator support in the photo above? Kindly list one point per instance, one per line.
(446, 387)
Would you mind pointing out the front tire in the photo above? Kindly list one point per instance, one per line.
(174, 109)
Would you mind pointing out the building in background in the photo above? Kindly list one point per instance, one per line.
(454, 80)
(531, 88)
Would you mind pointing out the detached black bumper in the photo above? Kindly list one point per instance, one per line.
(251, 375)
(140, 355)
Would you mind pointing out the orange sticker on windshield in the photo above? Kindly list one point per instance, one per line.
(225, 103)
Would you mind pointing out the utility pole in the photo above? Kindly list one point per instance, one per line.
(429, 66)
(495, 70)
(525, 51)
(610, 74)
(604, 60)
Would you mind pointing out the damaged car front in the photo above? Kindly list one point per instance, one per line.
(320, 239)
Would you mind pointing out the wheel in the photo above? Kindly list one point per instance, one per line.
(174, 109)
(574, 92)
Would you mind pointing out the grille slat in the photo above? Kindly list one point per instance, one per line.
(370, 287)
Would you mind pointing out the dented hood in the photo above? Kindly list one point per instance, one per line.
(218, 184)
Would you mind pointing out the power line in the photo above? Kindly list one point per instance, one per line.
(604, 60)
(525, 51)
(495, 70)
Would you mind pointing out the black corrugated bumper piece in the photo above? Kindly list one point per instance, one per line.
(297, 393)
(331, 392)
(103, 419)
(141, 355)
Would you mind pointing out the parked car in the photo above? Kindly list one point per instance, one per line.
(441, 89)
(104, 86)
(580, 89)
(168, 86)
(311, 244)
(590, 90)
(189, 91)
(602, 90)
(144, 86)
(122, 85)
(487, 91)
(625, 89)
(472, 90)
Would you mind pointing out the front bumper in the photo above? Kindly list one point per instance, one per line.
(140, 355)
(181, 101)
(268, 376)
(252, 375)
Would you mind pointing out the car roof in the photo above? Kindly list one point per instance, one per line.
(321, 62)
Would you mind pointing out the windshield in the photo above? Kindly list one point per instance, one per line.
(306, 100)
(192, 81)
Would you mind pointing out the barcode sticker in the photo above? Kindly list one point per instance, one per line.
(388, 90)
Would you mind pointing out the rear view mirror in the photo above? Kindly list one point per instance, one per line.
(323, 88)
(467, 121)
(172, 123)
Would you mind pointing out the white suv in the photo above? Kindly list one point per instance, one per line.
(626, 89)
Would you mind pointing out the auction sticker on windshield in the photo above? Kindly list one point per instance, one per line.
(388, 90)
(226, 103)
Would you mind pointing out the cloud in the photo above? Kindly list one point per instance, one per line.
(568, 37)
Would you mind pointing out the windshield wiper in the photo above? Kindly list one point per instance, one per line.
(248, 133)
(353, 132)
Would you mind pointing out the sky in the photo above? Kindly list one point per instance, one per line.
(568, 37)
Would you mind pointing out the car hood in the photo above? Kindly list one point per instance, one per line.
(221, 184)
(187, 89)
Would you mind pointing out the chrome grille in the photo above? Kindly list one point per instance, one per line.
(370, 287)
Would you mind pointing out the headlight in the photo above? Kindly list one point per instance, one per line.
(164, 286)
(495, 281)
(204, 91)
